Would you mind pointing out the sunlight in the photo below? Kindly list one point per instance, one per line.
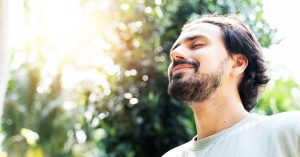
(89, 77)
(63, 36)
(283, 56)
(30, 136)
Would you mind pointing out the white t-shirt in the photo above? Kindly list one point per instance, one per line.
(254, 136)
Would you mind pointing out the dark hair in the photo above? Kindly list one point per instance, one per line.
(239, 39)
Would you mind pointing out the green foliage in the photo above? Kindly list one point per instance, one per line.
(107, 113)
(282, 95)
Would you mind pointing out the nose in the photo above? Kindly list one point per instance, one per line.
(179, 53)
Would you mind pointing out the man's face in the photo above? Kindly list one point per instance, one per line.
(199, 60)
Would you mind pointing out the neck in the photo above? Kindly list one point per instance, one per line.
(217, 114)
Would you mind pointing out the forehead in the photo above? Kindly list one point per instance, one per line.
(201, 29)
(205, 30)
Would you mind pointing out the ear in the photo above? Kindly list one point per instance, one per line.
(239, 64)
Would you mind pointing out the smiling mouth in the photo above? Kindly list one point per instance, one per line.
(181, 67)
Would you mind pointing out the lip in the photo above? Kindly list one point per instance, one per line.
(182, 66)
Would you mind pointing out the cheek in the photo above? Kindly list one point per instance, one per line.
(209, 60)
(207, 65)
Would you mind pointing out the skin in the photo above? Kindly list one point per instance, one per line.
(203, 43)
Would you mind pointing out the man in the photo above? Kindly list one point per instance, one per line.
(218, 70)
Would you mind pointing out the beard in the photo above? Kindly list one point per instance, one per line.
(197, 87)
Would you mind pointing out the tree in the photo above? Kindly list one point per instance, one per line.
(3, 54)
(3, 50)
(280, 96)
(161, 122)
(117, 106)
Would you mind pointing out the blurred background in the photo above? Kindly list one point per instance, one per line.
(88, 78)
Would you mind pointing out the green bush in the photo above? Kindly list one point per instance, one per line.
(110, 113)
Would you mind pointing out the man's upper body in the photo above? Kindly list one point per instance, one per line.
(254, 136)
(218, 70)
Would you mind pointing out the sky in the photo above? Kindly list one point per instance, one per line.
(284, 57)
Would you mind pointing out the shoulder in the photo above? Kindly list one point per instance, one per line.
(178, 151)
(282, 122)
(285, 118)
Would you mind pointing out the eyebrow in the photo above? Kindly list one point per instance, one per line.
(191, 38)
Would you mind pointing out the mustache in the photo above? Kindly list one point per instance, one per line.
(194, 63)
(178, 62)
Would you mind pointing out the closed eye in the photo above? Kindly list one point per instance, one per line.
(196, 46)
